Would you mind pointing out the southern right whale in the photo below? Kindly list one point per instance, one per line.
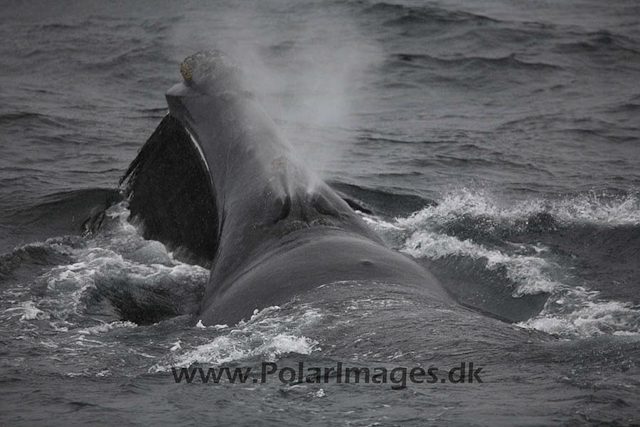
(217, 182)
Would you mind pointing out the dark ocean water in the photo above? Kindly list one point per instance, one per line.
(498, 142)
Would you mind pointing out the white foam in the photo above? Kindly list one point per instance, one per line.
(118, 253)
(266, 335)
(594, 208)
(594, 317)
(105, 327)
(527, 272)
(27, 310)
(572, 311)
(68, 284)
(319, 393)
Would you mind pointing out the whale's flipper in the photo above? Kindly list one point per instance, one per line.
(170, 193)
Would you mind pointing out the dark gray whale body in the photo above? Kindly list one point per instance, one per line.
(217, 182)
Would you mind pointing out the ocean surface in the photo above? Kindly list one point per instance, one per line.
(496, 141)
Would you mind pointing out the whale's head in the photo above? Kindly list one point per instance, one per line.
(207, 77)
(212, 73)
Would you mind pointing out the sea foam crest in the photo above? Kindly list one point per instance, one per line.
(571, 311)
(591, 317)
(527, 272)
(592, 207)
(267, 335)
(27, 310)
(419, 237)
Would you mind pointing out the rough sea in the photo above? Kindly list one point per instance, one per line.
(495, 141)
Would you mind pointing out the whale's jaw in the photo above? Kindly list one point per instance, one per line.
(170, 194)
